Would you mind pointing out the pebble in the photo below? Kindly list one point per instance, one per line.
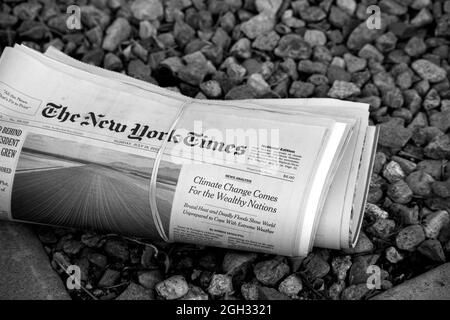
(149, 279)
(335, 290)
(98, 260)
(432, 249)
(249, 291)
(348, 6)
(420, 183)
(291, 286)
(117, 32)
(435, 222)
(363, 245)
(400, 192)
(382, 228)
(340, 265)
(315, 266)
(343, 90)
(440, 120)
(270, 272)
(441, 188)
(147, 9)
(211, 89)
(146, 30)
(358, 271)
(258, 84)
(312, 14)
(315, 38)
(109, 278)
(415, 47)
(220, 285)
(362, 35)
(428, 70)
(393, 134)
(355, 292)
(258, 25)
(112, 62)
(374, 212)
(172, 288)
(404, 214)
(354, 63)
(267, 41)
(393, 98)
(117, 249)
(432, 100)
(266, 293)
(195, 293)
(300, 89)
(438, 148)
(294, 47)
(410, 237)
(136, 292)
(393, 256)
(393, 172)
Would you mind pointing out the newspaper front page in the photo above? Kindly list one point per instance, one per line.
(94, 153)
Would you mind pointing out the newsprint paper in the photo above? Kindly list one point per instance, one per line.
(87, 148)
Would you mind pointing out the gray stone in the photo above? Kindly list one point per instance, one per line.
(266, 293)
(432, 100)
(25, 268)
(149, 279)
(355, 292)
(294, 47)
(432, 285)
(363, 245)
(400, 192)
(109, 278)
(195, 293)
(291, 286)
(340, 265)
(427, 70)
(410, 237)
(362, 35)
(136, 292)
(382, 228)
(312, 14)
(438, 148)
(172, 288)
(435, 222)
(300, 89)
(147, 9)
(393, 172)
(393, 256)
(258, 25)
(358, 271)
(441, 188)
(117, 249)
(343, 89)
(354, 63)
(117, 32)
(249, 291)
(374, 212)
(220, 285)
(422, 18)
(393, 134)
(270, 272)
(415, 47)
(432, 249)
(211, 88)
(315, 38)
(315, 266)
(420, 183)
(235, 261)
(440, 120)
(266, 42)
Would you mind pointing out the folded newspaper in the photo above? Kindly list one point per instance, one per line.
(93, 149)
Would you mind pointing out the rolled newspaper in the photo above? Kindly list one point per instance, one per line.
(87, 148)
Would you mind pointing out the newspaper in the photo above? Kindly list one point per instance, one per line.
(83, 149)
(344, 205)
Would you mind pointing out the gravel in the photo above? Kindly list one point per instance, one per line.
(239, 50)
